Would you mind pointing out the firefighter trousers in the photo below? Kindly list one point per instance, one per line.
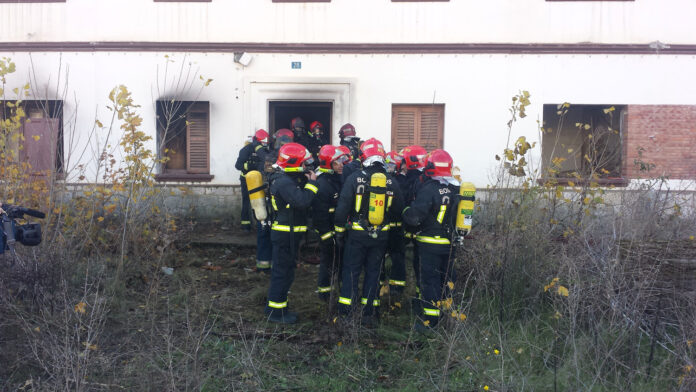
(264, 247)
(246, 205)
(285, 247)
(329, 267)
(396, 274)
(415, 260)
(436, 271)
(361, 253)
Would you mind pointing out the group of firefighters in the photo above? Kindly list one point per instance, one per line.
(364, 204)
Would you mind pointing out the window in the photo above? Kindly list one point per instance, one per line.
(183, 137)
(417, 124)
(42, 131)
(581, 142)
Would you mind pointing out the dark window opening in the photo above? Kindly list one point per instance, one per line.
(280, 113)
(583, 143)
(42, 130)
(183, 137)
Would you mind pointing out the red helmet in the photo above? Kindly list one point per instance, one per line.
(347, 130)
(414, 157)
(370, 148)
(316, 128)
(438, 163)
(346, 151)
(297, 122)
(394, 158)
(261, 136)
(283, 136)
(328, 154)
(291, 157)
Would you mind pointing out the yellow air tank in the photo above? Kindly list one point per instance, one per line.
(257, 196)
(378, 192)
(465, 209)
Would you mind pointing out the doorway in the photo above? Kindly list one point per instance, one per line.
(281, 112)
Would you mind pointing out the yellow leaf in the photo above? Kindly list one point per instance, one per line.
(100, 219)
(90, 346)
(571, 183)
(562, 290)
(609, 110)
(587, 126)
(496, 352)
(450, 285)
(339, 344)
(426, 323)
(36, 138)
(397, 304)
(384, 290)
(462, 317)
(37, 329)
(551, 284)
(570, 150)
(485, 387)
(207, 82)
(691, 237)
(80, 307)
(99, 124)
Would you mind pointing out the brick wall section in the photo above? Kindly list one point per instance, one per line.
(667, 133)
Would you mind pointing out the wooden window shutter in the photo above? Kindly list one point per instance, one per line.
(403, 127)
(432, 123)
(40, 141)
(198, 139)
(418, 124)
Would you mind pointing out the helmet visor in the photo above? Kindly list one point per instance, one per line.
(343, 159)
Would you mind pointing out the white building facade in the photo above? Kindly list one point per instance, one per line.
(442, 71)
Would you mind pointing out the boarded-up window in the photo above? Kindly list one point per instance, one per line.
(42, 132)
(183, 135)
(418, 124)
(660, 141)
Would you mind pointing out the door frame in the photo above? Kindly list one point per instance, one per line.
(261, 91)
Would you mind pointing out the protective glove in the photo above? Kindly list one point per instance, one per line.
(253, 162)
